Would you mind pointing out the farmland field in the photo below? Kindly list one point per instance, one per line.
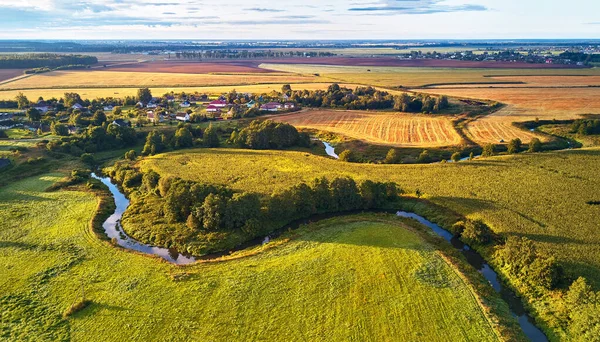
(397, 129)
(6, 74)
(389, 76)
(110, 79)
(191, 67)
(92, 93)
(357, 277)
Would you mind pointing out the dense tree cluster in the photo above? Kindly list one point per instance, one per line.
(235, 54)
(268, 134)
(94, 139)
(200, 208)
(363, 98)
(520, 258)
(582, 311)
(40, 60)
(185, 136)
(586, 127)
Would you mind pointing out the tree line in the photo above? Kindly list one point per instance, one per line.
(198, 208)
(41, 60)
(586, 127)
(363, 98)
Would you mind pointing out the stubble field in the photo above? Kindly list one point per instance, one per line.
(385, 128)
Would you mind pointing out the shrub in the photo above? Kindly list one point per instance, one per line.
(488, 150)
(392, 156)
(347, 156)
(514, 146)
(424, 157)
(455, 157)
(476, 232)
(76, 307)
(88, 159)
(535, 145)
(130, 155)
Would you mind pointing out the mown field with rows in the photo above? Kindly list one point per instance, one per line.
(397, 129)
(362, 277)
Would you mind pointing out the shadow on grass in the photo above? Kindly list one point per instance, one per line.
(18, 245)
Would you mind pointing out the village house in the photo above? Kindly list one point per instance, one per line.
(122, 123)
(218, 103)
(42, 106)
(185, 117)
(170, 98)
(77, 106)
(289, 105)
(185, 104)
(109, 108)
(250, 104)
(140, 104)
(213, 109)
(271, 107)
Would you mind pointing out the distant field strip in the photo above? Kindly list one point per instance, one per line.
(398, 129)
(109, 79)
(92, 93)
(420, 76)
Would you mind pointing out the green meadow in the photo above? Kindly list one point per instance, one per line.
(361, 277)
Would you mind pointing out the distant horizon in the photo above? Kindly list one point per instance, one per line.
(298, 20)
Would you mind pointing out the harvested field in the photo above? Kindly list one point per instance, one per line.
(530, 103)
(397, 129)
(193, 67)
(423, 77)
(6, 74)
(549, 81)
(92, 93)
(495, 129)
(99, 79)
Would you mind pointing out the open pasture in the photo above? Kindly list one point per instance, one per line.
(115, 79)
(92, 93)
(391, 128)
(387, 76)
(362, 277)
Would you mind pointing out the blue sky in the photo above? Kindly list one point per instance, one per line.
(298, 19)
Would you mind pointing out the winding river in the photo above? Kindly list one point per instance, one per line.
(113, 229)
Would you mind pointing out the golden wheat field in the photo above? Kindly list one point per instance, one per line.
(385, 128)
(98, 79)
(549, 81)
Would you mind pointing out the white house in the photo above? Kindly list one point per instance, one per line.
(185, 117)
(289, 105)
(185, 104)
(77, 106)
(109, 108)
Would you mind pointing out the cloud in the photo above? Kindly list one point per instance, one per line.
(268, 10)
(391, 7)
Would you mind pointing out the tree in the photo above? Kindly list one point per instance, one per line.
(59, 129)
(488, 150)
(33, 114)
(154, 143)
(71, 99)
(130, 155)
(88, 158)
(514, 146)
(476, 232)
(22, 101)
(99, 118)
(455, 157)
(535, 145)
(117, 110)
(211, 138)
(144, 95)
(183, 138)
(424, 157)
(346, 194)
(392, 156)
(213, 212)
(286, 89)
(471, 156)
(347, 156)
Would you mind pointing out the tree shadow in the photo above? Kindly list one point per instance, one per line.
(18, 245)
(549, 238)
(470, 204)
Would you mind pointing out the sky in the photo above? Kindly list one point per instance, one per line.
(299, 19)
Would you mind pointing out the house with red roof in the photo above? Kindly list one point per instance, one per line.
(271, 107)
(218, 103)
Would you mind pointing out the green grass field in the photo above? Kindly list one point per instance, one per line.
(351, 278)
(541, 196)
